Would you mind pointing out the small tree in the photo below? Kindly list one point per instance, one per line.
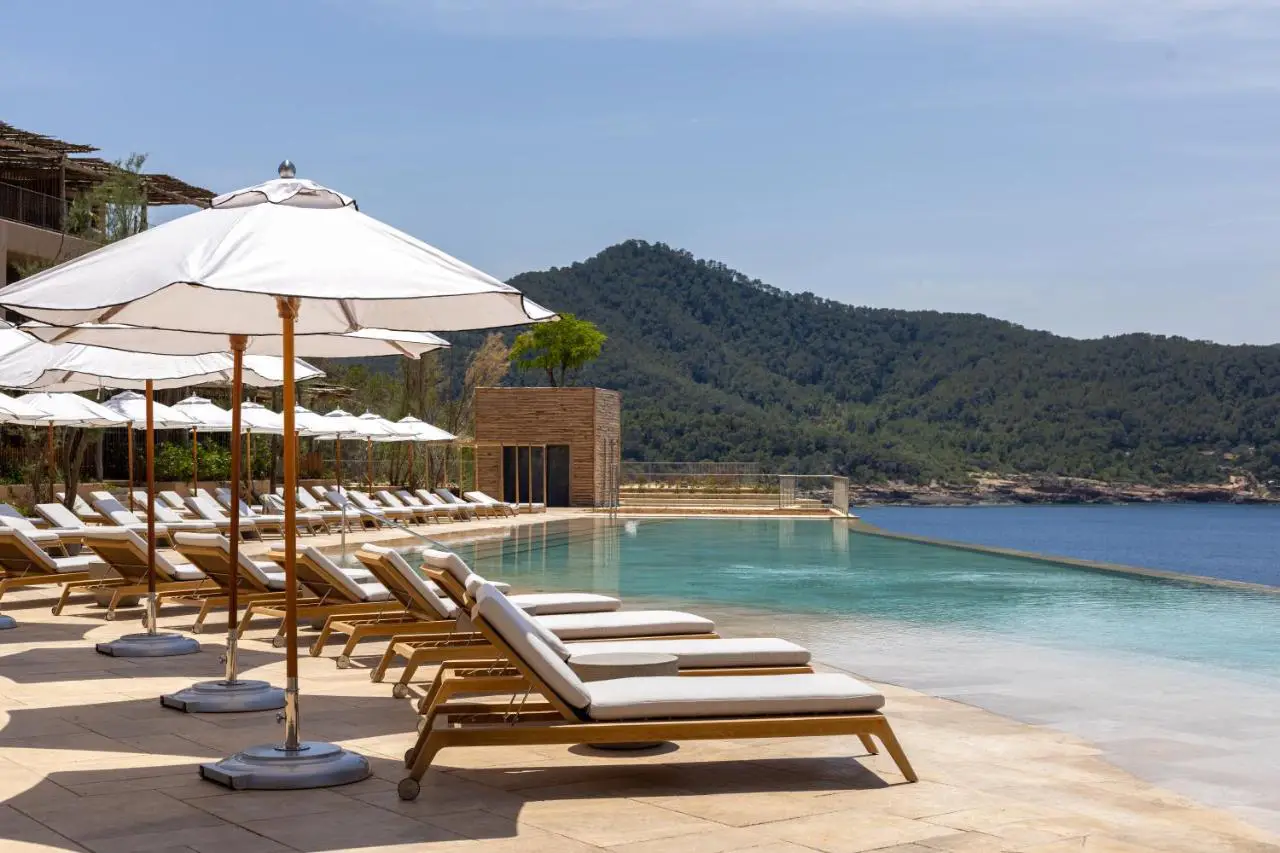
(561, 347)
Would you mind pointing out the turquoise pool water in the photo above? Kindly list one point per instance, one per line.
(1134, 665)
(818, 567)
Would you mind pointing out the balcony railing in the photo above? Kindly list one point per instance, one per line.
(32, 208)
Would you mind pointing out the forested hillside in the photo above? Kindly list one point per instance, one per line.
(716, 366)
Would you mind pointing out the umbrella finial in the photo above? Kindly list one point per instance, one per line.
(287, 169)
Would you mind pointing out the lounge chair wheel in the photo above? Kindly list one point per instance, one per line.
(110, 617)
(344, 662)
(408, 789)
(408, 757)
(277, 642)
(400, 690)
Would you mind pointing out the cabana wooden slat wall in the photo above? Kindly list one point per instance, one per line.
(582, 418)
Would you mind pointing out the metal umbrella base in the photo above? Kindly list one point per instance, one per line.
(313, 764)
(149, 646)
(225, 697)
(7, 622)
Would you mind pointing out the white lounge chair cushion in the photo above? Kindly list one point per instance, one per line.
(513, 626)
(625, 623)
(449, 562)
(353, 581)
(552, 603)
(476, 581)
(77, 564)
(427, 591)
(185, 572)
(730, 696)
(704, 654)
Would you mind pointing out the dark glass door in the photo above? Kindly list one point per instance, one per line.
(509, 474)
(557, 475)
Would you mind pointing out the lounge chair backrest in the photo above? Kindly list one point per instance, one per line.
(410, 500)
(449, 562)
(17, 550)
(113, 509)
(320, 491)
(326, 580)
(217, 566)
(390, 500)
(205, 507)
(517, 631)
(223, 496)
(140, 497)
(450, 497)
(425, 596)
(171, 498)
(10, 517)
(59, 516)
(480, 498)
(306, 499)
(79, 505)
(164, 515)
(362, 500)
(126, 552)
(432, 499)
(273, 503)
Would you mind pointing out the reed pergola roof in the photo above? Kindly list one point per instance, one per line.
(24, 154)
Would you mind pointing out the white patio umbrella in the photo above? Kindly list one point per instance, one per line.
(339, 426)
(257, 418)
(27, 362)
(415, 431)
(285, 257)
(132, 406)
(206, 416)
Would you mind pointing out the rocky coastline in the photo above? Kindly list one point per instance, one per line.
(1056, 490)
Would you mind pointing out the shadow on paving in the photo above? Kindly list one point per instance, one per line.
(46, 665)
(41, 632)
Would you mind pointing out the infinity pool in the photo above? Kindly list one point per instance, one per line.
(1176, 682)
(820, 567)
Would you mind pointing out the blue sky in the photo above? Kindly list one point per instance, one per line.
(1085, 166)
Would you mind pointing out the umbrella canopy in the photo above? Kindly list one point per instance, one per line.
(343, 425)
(387, 429)
(14, 411)
(72, 410)
(220, 270)
(204, 415)
(132, 406)
(256, 417)
(363, 343)
(420, 430)
(26, 362)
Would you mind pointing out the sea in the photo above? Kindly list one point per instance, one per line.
(1224, 541)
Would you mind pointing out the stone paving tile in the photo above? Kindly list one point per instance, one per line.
(852, 831)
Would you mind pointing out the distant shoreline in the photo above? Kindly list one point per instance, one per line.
(1022, 491)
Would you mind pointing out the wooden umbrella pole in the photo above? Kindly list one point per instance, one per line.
(130, 440)
(151, 516)
(288, 310)
(195, 461)
(238, 343)
(248, 465)
(369, 463)
(409, 477)
(52, 462)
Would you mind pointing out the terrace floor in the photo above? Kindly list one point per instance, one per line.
(89, 760)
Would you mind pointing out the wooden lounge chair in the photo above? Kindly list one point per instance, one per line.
(172, 500)
(420, 514)
(58, 517)
(174, 521)
(25, 562)
(721, 656)
(481, 510)
(68, 536)
(534, 603)
(308, 522)
(115, 513)
(342, 514)
(211, 554)
(502, 507)
(336, 592)
(440, 511)
(126, 553)
(401, 514)
(204, 506)
(423, 597)
(81, 508)
(267, 524)
(659, 708)
(460, 511)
